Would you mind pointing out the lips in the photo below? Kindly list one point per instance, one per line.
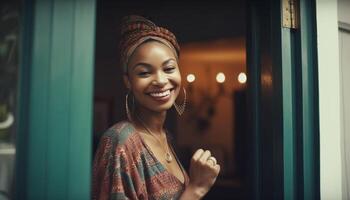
(160, 94)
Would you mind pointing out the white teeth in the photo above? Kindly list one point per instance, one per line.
(160, 94)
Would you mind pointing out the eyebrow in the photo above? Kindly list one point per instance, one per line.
(150, 66)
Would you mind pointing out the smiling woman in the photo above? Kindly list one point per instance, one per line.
(135, 159)
(154, 76)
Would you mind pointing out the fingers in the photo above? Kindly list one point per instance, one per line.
(212, 160)
(205, 158)
(217, 168)
(197, 154)
(203, 169)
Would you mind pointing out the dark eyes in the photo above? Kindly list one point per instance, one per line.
(146, 73)
(169, 69)
(143, 74)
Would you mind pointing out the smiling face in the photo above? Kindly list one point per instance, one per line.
(153, 76)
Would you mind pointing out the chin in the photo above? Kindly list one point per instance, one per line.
(152, 106)
(162, 108)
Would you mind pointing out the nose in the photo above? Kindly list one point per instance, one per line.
(160, 79)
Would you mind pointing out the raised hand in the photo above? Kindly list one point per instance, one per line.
(204, 170)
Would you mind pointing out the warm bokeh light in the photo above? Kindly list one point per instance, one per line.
(242, 78)
(220, 77)
(191, 78)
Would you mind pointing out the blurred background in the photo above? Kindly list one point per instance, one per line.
(9, 72)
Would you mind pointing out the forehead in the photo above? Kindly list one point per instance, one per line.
(151, 50)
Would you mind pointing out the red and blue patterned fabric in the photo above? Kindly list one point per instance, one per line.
(125, 168)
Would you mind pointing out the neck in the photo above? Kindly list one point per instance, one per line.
(153, 120)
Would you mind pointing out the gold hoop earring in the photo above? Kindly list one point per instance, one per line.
(180, 109)
(128, 113)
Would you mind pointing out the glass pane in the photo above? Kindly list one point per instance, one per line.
(9, 60)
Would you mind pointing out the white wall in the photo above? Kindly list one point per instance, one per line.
(329, 99)
(344, 49)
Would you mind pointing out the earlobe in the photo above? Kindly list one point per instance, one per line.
(127, 81)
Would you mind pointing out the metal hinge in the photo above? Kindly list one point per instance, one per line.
(290, 12)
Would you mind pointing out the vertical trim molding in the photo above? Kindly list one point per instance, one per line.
(329, 99)
(309, 109)
(59, 122)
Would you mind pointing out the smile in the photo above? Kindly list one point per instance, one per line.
(160, 94)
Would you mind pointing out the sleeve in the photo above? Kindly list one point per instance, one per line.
(111, 177)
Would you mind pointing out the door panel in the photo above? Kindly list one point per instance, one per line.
(54, 160)
(283, 91)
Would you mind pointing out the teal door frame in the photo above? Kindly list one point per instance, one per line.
(283, 93)
(55, 100)
(55, 104)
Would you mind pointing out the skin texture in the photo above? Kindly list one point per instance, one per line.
(154, 79)
(153, 67)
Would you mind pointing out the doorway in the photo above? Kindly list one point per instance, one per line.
(212, 38)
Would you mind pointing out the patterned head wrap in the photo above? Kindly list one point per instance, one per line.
(136, 30)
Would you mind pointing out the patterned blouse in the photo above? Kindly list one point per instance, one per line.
(125, 168)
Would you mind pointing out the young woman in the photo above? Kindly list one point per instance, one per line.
(134, 159)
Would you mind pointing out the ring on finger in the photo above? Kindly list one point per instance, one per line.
(211, 158)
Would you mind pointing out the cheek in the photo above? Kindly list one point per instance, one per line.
(177, 81)
(138, 85)
(177, 78)
(138, 92)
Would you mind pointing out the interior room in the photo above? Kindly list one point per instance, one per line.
(213, 69)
